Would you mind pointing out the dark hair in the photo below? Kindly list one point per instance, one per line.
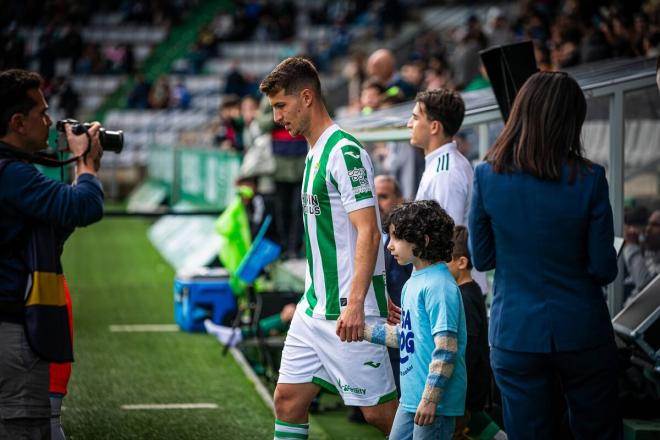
(373, 83)
(292, 75)
(543, 129)
(230, 101)
(14, 87)
(414, 221)
(461, 244)
(445, 106)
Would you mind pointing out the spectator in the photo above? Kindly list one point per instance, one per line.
(465, 58)
(180, 97)
(389, 197)
(228, 136)
(12, 47)
(641, 251)
(381, 65)
(498, 30)
(235, 83)
(289, 154)
(159, 95)
(69, 98)
(139, 96)
(371, 96)
(251, 129)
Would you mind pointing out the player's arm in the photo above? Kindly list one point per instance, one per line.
(382, 334)
(350, 326)
(441, 369)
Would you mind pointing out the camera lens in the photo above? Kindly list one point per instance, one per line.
(111, 140)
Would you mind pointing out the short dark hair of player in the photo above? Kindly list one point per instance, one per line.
(445, 106)
(415, 221)
(292, 75)
(461, 245)
(14, 87)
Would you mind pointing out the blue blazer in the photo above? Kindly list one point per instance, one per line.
(551, 244)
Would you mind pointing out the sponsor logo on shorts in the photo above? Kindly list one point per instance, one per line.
(372, 364)
(346, 388)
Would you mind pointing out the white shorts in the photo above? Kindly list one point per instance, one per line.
(360, 372)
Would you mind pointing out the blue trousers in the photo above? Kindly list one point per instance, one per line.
(404, 427)
(588, 382)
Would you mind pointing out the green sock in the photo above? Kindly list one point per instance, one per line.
(286, 430)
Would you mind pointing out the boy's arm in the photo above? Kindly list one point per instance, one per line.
(382, 334)
(441, 367)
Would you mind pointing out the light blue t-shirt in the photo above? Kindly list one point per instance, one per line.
(430, 303)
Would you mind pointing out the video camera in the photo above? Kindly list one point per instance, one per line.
(110, 140)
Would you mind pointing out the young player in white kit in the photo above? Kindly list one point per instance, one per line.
(345, 279)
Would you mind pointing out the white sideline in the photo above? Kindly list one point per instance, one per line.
(145, 328)
(249, 373)
(147, 406)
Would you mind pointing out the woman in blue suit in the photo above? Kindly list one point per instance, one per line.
(541, 216)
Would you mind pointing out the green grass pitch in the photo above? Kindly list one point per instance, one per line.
(117, 278)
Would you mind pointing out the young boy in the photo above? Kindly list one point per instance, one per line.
(476, 423)
(432, 333)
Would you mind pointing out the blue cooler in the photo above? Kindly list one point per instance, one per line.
(201, 294)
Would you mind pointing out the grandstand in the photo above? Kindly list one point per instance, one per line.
(175, 77)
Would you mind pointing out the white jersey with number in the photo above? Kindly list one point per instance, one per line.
(338, 179)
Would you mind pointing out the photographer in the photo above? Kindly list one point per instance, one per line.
(38, 215)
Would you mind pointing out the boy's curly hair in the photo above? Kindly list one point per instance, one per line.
(413, 221)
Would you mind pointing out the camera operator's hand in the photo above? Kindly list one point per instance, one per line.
(90, 162)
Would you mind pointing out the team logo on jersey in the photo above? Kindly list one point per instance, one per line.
(315, 168)
(310, 203)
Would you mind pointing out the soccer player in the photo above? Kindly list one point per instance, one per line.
(345, 276)
(447, 178)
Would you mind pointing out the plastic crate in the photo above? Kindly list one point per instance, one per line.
(202, 294)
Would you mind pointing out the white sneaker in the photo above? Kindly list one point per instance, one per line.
(226, 335)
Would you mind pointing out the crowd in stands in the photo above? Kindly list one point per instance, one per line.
(59, 26)
(564, 34)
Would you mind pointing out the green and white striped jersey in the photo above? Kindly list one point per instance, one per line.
(338, 179)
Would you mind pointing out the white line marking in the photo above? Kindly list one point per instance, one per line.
(265, 395)
(147, 406)
(145, 328)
